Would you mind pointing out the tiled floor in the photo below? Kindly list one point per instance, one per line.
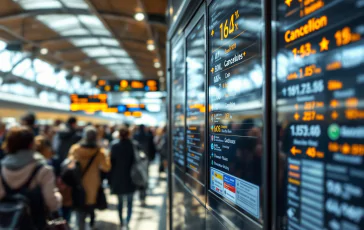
(151, 217)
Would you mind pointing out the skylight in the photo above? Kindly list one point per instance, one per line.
(84, 25)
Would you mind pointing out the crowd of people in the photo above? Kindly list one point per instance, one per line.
(37, 161)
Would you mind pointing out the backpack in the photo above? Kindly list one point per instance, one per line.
(71, 175)
(22, 209)
(139, 169)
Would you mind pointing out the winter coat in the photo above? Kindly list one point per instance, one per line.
(64, 140)
(122, 159)
(16, 169)
(91, 180)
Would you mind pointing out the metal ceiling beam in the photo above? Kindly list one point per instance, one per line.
(155, 19)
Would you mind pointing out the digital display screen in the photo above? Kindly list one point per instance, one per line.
(235, 104)
(178, 104)
(128, 85)
(89, 103)
(320, 114)
(195, 107)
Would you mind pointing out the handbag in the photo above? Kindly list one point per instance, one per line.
(139, 170)
(57, 224)
(101, 202)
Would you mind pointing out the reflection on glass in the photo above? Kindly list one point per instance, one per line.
(178, 104)
(320, 122)
(195, 107)
(235, 105)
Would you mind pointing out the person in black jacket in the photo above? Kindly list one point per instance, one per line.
(121, 184)
(62, 143)
(65, 138)
(146, 141)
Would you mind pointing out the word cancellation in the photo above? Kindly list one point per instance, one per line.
(234, 52)
(319, 114)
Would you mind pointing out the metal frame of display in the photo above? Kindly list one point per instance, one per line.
(200, 13)
(267, 113)
(169, 131)
(177, 40)
(275, 154)
(244, 217)
(269, 171)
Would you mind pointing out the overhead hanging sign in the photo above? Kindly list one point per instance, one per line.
(128, 85)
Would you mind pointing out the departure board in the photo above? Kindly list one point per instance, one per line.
(127, 85)
(195, 107)
(178, 104)
(235, 104)
(320, 92)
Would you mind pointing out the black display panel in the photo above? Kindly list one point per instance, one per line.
(178, 104)
(195, 103)
(320, 125)
(235, 104)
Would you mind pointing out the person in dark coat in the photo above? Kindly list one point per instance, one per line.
(62, 143)
(146, 142)
(122, 159)
(29, 120)
(65, 138)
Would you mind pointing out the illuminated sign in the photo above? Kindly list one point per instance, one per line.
(98, 103)
(320, 114)
(89, 103)
(235, 110)
(128, 85)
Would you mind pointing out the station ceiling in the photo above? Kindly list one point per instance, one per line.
(102, 37)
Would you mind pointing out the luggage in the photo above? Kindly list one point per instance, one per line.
(71, 175)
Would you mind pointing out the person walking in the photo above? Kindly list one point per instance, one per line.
(146, 141)
(121, 184)
(83, 152)
(62, 142)
(24, 169)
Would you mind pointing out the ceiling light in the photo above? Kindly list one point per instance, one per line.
(139, 16)
(44, 51)
(94, 77)
(150, 45)
(76, 68)
(160, 73)
(162, 79)
(157, 65)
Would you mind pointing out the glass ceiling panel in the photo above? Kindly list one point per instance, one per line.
(2, 45)
(100, 32)
(112, 60)
(91, 21)
(69, 25)
(85, 41)
(109, 42)
(78, 4)
(60, 22)
(39, 4)
(77, 31)
(96, 52)
(22, 67)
